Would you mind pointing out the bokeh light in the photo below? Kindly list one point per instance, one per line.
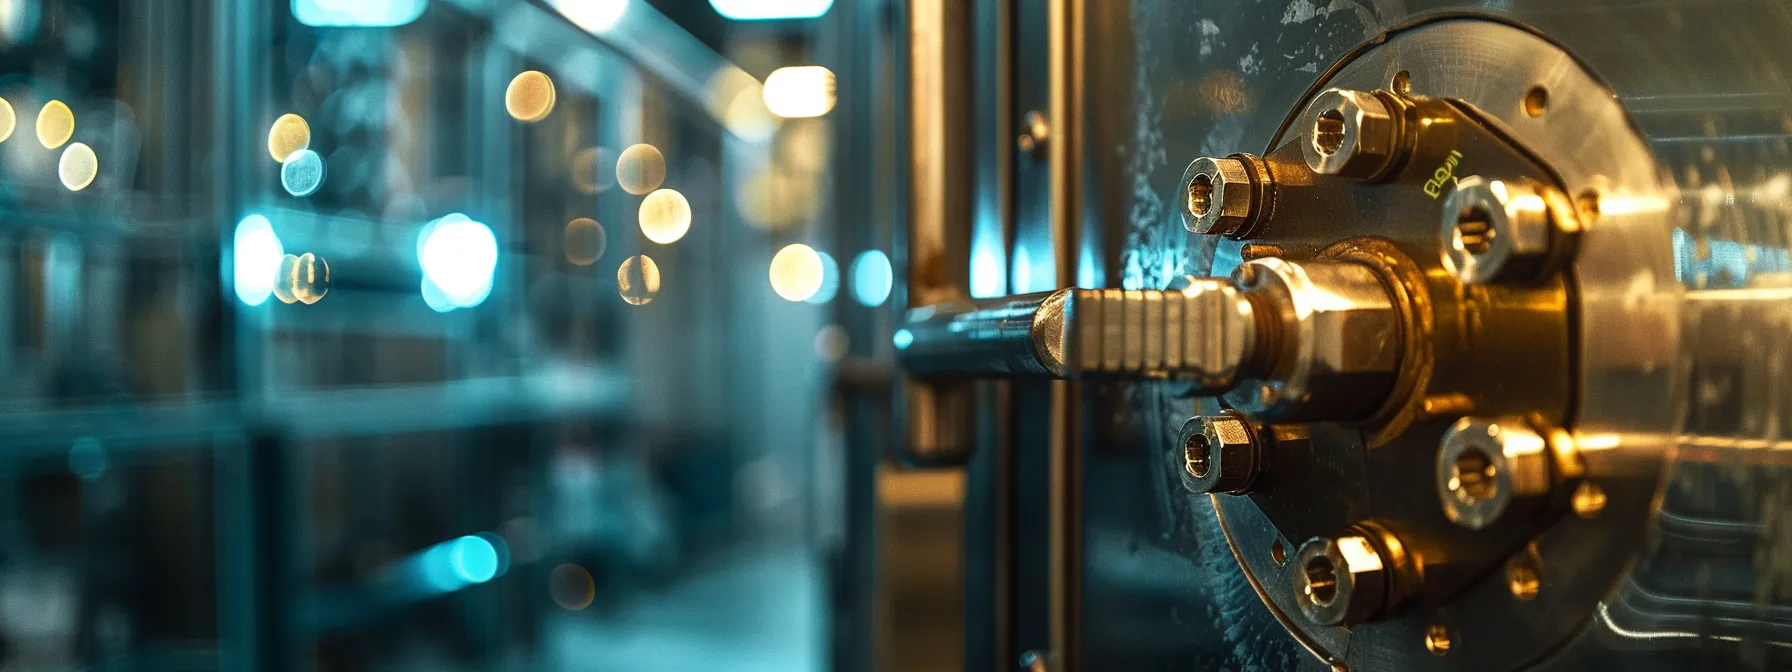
(638, 280)
(665, 216)
(596, 16)
(9, 120)
(474, 559)
(830, 280)
(255, 259)
(303, 173)
(310, 278)
(641, 169)
(87, 459)
(78, 166)
(796, 272)
(289, 134)
(592, 171)
(55, 124)
(584, 241)
(872, 278)
(285, 279)
(831, 343)
(459, 257)
(530, 96)
(800, 91)
(358, 13)
(765, 10)
(571, 587)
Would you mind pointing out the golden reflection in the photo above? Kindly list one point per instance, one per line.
(665, 216)
(796, 272)
(286, 279)
(571, 587)
(800, 91)
(638, 280)
(8, 120)
(530, 96)
(78, 167)
(311, 278)
(641, 169)
(591, 173)
(289, 134)
(584, 241)
(55, 124)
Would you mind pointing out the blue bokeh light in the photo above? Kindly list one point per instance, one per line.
(830, 280)
(302, 173)
(903, 339)
(255, 259)
(459, 257)
(473, 559)
(872, 278)
(363, 13)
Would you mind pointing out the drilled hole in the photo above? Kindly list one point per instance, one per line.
(1196, 452)
(1200, 194)
(1328, 132)
(1473, 477)
(1322, 581)
(1474, 227)
(1278, 552)
(1536, 101)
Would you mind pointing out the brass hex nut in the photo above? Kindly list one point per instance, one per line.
(1484, 465)
(1220, 454)
(1498, 230)
(1342, 581)
(1349, 134)
(1217, 195)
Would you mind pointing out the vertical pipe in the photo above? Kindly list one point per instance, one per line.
(1064, 157)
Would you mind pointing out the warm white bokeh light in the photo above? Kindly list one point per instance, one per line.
(638, 280)
(289, 134)
(530, 96)
(78, 167)
(796, 272)
(800, 91)
(55, 124)
(665, 216)
(8, 120)
(584, 241)
(641, 169)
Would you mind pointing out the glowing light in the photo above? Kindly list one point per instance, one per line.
(584, 241)
(831, 343)
(55, 124)
(78, 166)
(364, 13)
(593, 15)
(987, 278)
(289, 134)
(903, 339)
(571, 587)
(638, 280)
(800, 91)
(641, 169)
(830, 281)
(665, 216)
(473, 559)
(530, 96)
(872, 278)
(763, 10)
(303, 173)
(302, 279)
(8, 120)
(87, 458)
(591, 173)
(796, 272)
(458, 256)
(255, 258)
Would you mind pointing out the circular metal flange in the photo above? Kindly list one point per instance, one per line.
(1626, 335)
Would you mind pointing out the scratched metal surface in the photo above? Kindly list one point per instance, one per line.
(1709, 83)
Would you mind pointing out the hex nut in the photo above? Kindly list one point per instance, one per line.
(1220, 454)
(1341, 581)
(1349, 134)
(1484, 465)
(1497, 230)
(1217, 196)
(1335, 342)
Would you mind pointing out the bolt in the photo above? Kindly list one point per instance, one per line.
(1524, 575)
(1342, 581)
(1224, 196)
(1437, 637)
(1354, 134)
(1496, 230)
(1219, 453)
(1484, 465)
